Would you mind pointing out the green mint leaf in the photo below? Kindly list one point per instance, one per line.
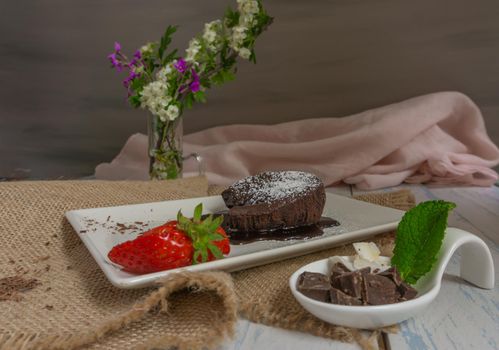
(419, 237)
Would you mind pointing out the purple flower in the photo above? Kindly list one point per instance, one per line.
(115, 62)
(117, 47)
(181, 65)
(137, 59)
(195, 85)
(127, 82)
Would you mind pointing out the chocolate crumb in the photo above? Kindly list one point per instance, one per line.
(11, 261)
(11, 287)
(83, 231)
(49, 307)
(47, 268)
(47, 243)
(54, 235)
(48, 289)
(42, 258)
(109, 217)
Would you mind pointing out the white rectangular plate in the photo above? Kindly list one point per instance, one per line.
(103, 228)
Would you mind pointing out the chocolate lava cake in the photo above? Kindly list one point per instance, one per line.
(274, 200)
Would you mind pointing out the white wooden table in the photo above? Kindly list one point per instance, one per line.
(462, 316)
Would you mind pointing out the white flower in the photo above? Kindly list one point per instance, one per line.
(247, 20)
(192, 50)
(146, 49)
(155, 98)
(214, 25)
(244, 53)
(248, 6)
(209, 36)
(172, 112)
(238, 36)
(152, 92)
(164, 73)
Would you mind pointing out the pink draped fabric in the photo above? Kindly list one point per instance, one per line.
(437, 138)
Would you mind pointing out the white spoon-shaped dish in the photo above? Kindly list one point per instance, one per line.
(477, 268)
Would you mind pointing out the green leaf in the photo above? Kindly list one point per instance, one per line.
(166, 40)
(195, 257)
(134, 100)
(217, 253)
(419, 237)
(218, 220)
(198, 211)
(231, 17)
(223, 76)
(182, 220)
(199, 96)
(189, 100)
(216, 237)
(204, 255)
(168, 58)
(252, 57)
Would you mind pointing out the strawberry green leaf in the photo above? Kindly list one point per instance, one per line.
(215, 251)
(198, 211)
(208, 220)
(218, 221)
(419, 237)
(203, 234)
(216, 237)
(195, 257)
(204, 255)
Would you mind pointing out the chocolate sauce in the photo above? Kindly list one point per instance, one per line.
(303, 232)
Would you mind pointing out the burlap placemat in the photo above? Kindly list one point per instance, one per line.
(54, 296)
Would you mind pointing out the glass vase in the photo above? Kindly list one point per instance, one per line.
(165, 148)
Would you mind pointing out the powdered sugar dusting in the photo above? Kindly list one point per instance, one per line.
(272, 186)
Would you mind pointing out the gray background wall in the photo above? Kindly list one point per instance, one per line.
(62, 109)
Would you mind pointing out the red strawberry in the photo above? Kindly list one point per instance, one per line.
(175, 244)
(160, 248)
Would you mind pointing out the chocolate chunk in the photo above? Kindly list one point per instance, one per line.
(393, 274)
(379, 290)
(314, 285)
(406, 291)
(340, 298)
(351, 282)
(337, 270)
(365, 270)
